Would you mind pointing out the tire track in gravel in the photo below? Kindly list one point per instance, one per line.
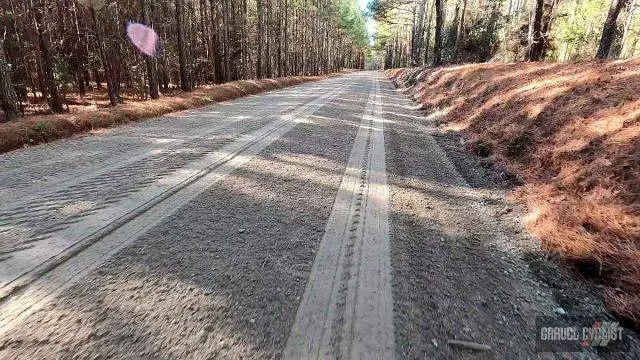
(36, 167)
(347, 309)
(68, 236)
(222, 277)
(460, 253)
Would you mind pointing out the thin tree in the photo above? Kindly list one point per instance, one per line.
(428, 33)
(8, 98)
(609, 29)
(185, 83)
(259, 38)
(216, 54)
(55, 101)
(417, 37)
(437, 49)
(459, 34)
(627, 26)
(154, 92)
(536, 38)
(111, 91)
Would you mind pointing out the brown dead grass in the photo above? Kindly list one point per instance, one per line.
(36, 129)
(571, 133)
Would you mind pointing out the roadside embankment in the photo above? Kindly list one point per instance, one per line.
(36, 129)
(570, 134)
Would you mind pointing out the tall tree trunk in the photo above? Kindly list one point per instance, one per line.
(113, 100)
(154, 92)
(279, 39)
(414, 32)
(609, 29)
(80, 49)
(8, 98)
(218, 76)
(267, 56)
(55, 101)
(437, 49)
(185, 83)
(225, 42)
(627, 26)
(245, 41)
(537, 38)
(417, 38)
(303, 38)
(260, 38)
(428, 33)
(286, 38)
(459, 34)
(548, 17)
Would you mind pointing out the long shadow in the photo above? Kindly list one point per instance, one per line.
(461, 271)
(412, 126)
(222, 277)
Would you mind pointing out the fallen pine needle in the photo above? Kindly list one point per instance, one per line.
(469, 345)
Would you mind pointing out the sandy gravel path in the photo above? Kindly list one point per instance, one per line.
(223, 275)
(347, 310)
(43, 225)
(328, 220)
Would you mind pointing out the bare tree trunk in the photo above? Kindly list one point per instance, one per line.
(548, 17)
(154, 92)
(460, 32)
(302, 52)
(536, 38)
(20, 59)
(260, 38)
(8, 98)
(55, 101)
(437, 49)
(428, 33)
(279, 39)
(627, 26)
(417, 37)
(286, 38)
(113, 100)
(245, 41)
(226, 46)
(185, 83)
(609, 29)
(267, 56)
(218, 76)
(413, 34)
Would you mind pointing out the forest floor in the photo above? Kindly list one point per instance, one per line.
(567, 136)
(92, 110)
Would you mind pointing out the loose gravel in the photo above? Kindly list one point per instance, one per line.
(464, 267)
(223, 276)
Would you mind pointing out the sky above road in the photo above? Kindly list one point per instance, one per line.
(371, 24)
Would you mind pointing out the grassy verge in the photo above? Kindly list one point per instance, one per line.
(37, 129)
(571, 133)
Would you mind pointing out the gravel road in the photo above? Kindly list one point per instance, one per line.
(325, 220)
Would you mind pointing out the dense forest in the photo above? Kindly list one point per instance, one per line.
(419, 32)
(49, 49)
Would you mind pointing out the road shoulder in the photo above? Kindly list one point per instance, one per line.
(464, 267)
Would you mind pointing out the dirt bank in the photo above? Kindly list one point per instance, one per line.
(569, 136)
(36, 129)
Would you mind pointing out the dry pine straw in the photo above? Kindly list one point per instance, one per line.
(37, 129)
(571, 133)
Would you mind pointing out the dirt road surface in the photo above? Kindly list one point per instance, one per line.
(326, 220)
